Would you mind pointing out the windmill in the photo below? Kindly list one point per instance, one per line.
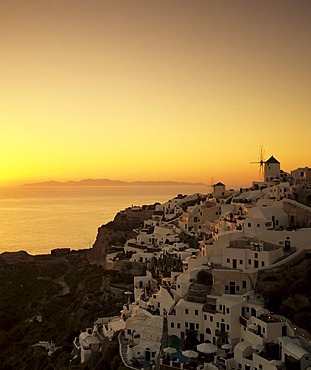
(261, 161)
(211, 184)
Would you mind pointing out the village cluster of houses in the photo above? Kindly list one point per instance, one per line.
(195, 307)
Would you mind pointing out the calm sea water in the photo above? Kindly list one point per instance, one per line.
(39, 219)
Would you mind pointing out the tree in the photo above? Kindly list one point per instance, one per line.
(205, 277)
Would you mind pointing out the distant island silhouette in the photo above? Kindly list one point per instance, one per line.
(108, 182)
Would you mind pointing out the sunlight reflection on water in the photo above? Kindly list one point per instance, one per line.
(39, 219)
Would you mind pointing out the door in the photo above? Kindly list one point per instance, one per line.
(232, 287)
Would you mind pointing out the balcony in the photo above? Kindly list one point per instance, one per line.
(193, 333)
(243, 321)
(221, 334)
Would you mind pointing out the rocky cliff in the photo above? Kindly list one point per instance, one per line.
(117, 232)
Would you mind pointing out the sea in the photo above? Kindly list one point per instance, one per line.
(38, 219)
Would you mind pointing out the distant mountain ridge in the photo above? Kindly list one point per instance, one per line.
(108, 182)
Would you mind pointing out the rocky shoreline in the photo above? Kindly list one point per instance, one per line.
(51, 297)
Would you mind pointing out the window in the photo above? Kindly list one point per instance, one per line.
(205, 317)
(258, 225)
(186, 311)
(217, 324)
(249, 262)
(237, 288)
(249, 224)
(208, 331)
(211, 318)
(244, 284)
(260, 366)
(256, 255)
(220, 306)
(262, 263)
(178, 325)
(228, 310)
(196, 312)
(228, 327)
(172, 325)
(241, 262)
(228, 260)
(186, 324)
(197, 326)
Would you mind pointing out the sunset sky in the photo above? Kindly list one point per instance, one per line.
(153, 89)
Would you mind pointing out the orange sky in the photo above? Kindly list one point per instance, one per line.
(153, 90)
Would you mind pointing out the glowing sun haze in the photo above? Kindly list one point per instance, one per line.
(153, 90)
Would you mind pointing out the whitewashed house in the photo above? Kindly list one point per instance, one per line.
(245, 254)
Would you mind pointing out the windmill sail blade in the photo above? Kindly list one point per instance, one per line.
(261, 161)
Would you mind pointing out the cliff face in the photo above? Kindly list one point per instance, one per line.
(117, 232)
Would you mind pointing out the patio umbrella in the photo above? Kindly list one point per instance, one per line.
(170, 350)
(206, 348)
(190, 354)
(209, 366)
(226, 346)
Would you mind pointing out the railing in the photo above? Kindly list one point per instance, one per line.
(221, 334)
(243, 321)
(123, 351)
(191, 332)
